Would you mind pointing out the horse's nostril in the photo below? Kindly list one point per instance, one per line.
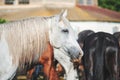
(81, 55)
(74, 53)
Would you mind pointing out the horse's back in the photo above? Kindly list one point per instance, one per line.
(100, 56)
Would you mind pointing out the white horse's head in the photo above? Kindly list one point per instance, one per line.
(63, 37)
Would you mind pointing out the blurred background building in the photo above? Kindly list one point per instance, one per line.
(83, 14)
(88, 2)
(38, 2)
(35, 2)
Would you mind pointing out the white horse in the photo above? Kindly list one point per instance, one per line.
(25, 40)
(65, 61)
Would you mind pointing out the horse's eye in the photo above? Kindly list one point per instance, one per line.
(65, 30)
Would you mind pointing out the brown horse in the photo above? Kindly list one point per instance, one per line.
(47, 61)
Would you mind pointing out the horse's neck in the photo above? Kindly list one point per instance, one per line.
(27, 40)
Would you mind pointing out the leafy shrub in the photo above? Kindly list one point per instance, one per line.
(2, 21)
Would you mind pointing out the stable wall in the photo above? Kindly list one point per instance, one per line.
(109, 27)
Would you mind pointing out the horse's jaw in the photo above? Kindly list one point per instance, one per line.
(64, 60)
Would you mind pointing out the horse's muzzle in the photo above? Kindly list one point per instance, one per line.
(75, 55)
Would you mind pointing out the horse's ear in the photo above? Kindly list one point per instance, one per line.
(63, 13)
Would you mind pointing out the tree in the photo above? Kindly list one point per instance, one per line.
(110, 4)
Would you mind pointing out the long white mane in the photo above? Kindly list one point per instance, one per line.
(27, 38)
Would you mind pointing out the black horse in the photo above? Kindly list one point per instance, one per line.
(83, 35)
(117, 35)
(100, 56)
(81, 38)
